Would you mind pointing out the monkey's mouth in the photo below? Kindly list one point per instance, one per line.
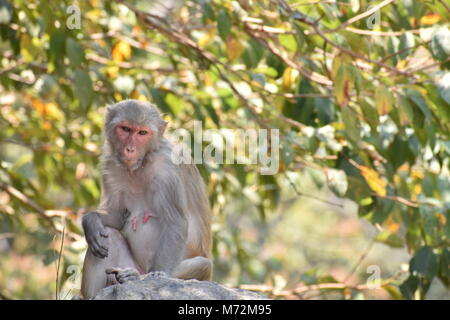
(131, 163)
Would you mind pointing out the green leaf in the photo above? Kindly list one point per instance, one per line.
(393, 45)
(440, 44)
(317, 176)
(75, 52)
(57, 48)
(393, 291)
(288, 41)
(223, 24)
(384, 100)
(252, 54)
(398, 152)
(424, 262)
(406, 41)
(444, 267)
(409, 287)
(352, 124)
(50, 256)
(5, 12)
(443, 86)
(337, 181)
(419, 101)
(343, 84)
(405, 110)
(83, 88)
(208, 12)
(382, 210)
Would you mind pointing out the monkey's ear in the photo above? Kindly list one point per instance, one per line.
(109, 113)
(162, 127)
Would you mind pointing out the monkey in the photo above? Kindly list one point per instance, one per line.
(154, 215)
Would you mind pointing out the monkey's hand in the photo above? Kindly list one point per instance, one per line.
(96, 234)
(124, 275)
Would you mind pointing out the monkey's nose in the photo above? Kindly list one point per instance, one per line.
(130, 151)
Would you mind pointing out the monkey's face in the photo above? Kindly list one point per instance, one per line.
(133, 143)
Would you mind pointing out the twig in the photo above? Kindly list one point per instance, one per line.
(301, 194)
(59, 263)
(25, 200)
(363, 15)
(428, 66)
(334, 44)
(401, 51)
(360, 260)
(6, 235)
(445, 5)
(316, 77)
(381, 33)
(129, 65)
(320, 2)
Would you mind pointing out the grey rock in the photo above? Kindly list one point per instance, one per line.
(158, 286)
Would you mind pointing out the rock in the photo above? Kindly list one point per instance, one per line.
(158, 286)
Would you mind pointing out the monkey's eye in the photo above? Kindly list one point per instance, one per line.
(126, 129)
(142, 132)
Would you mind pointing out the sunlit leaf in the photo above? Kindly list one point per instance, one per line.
(384, 100)
(121, 51)
(337, 181)
(234, 48)
(373, 179)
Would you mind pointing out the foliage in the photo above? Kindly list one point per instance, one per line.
(361, 98)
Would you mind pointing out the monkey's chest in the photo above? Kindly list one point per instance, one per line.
(142, 231)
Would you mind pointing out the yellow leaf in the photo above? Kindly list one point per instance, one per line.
(138, 96)
(383, 99)
(38, 105)
(47, 125)
(392, 226)
(46, 110)
(417, 174)
(206, 38)
(53, 111)
(234, 48)
(112, 71)
(343, 85)
(339, 60)
(430, 18)
(290, 76)
(401, 64)
(121, 51)
(373, 179)
(417, 189)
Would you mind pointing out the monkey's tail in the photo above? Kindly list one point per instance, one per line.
(199, 268)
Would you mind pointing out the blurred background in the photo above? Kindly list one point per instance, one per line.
(360, 93)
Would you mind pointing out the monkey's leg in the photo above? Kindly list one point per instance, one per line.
(199, 268)
(94, 269)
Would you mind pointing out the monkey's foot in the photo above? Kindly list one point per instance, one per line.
(124, 275)
(156, 274)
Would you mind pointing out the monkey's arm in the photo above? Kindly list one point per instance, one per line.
(170, 203)
(94, 224)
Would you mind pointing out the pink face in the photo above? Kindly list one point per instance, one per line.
(133, 141)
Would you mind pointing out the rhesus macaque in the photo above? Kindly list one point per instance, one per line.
(154, 214)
